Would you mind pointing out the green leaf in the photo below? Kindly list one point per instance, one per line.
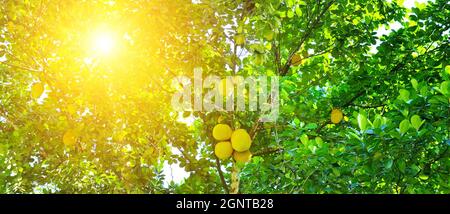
(414, 169)
(401, 166)
(423, 177)
(445, 87)
(289, 3)
(336, 172)
(239, 39)
(312, 148)
(290, 14)
(298, 11)
(319, 140)
(351, 134)
(438, 100)
(405, 112)
(404, 95)
(311, 126)
(404, 126)
(388, 164)
(424, 90)
(304, 139)
(414, 83)
(268, 34)
(377, 122)
(416, 122)
(362, 122)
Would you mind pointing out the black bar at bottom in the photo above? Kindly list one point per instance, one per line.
(213, 203)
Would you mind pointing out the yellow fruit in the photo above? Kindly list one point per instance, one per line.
(296, 60)
(345, 118)
(242, 157)
(223, 150)
(222, 132)
(240, 140)
(36, 90)
(70, 137)
(336, 116)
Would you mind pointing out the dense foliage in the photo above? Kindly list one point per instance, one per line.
(393, 88)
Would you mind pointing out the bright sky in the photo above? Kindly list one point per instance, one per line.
(410, 3)
(395, 25)
(177, 174)
(173, 172)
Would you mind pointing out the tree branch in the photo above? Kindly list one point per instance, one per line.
(19, 67)
(267, 151)
(222, 179)
(322, 126)
(349, 102)
(367, 106)
(308, 33)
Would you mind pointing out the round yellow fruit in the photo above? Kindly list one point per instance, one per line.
(240, 140)
(70, 137)
(36, 90)
(223, 150)
(296, 60)
(242, 157)
(222, 132)
(336, 116)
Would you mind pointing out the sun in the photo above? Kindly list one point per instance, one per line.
(103, 43)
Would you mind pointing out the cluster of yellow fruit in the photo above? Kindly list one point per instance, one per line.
(232, 143)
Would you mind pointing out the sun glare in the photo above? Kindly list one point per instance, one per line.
(103, 43)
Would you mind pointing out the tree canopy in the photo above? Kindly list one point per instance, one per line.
(85, 95)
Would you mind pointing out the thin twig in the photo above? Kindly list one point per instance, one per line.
(308, 33)
(267, 151)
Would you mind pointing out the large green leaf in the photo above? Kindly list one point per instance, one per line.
(404, 126)
(304, 139)
(404, 95)
(416, 121)
(362, 122)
